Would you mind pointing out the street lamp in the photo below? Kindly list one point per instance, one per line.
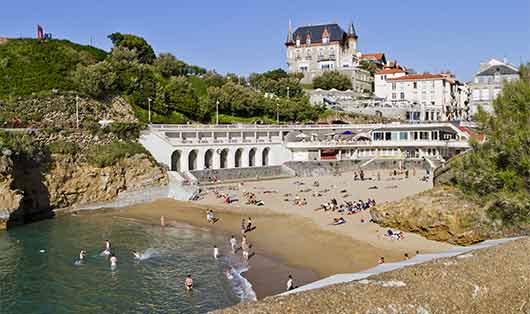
(287, 91)
(149, 110)
(217, 112)
(77, 112)
(277, 113)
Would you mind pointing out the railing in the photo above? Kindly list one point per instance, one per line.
(421, 143)
(223, 141)
(298, 126)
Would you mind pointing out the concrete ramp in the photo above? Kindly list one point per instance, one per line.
(418, 259)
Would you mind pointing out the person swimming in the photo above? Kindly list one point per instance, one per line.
(136, 254)
(113, 261)
(189, 283)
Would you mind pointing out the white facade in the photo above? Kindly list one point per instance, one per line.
(431, 97)
(184, 148)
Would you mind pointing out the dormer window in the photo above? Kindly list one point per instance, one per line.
(325, 36)
(308, 39)
(297, 40)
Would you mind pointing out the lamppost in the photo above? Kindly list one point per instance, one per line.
(217, 112)
(149, 110)
(277, 113)
(288, 91)
(77, 112)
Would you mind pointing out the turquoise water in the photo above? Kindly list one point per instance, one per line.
(39, 274)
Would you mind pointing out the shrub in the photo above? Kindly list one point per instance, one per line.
(108, 155)
(63, 147)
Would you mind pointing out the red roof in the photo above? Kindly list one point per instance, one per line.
(477, 136)
(376, 56)
(390, 71)
(424, 76)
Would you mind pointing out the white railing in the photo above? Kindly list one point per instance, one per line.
(420, 143)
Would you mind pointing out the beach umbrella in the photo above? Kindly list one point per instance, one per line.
(348, 132)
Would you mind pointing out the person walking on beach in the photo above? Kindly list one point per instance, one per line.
(249, 224)
(162, 221)
(233, 244)
(215, 252)
(188, 283)
(290, 283)
(243, 226)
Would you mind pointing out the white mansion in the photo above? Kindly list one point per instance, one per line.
(430, 97)
(314, 49)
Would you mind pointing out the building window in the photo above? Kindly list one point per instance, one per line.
(378, 136)
(403, 136)
(303, 68)
(393, 86)
(388, 136)
(476, 94)
(485, 93)
(496, 92)
(402, 96)
(393, 95)
(415, 85)
(298, 43)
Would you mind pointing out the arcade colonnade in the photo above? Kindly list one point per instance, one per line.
(188, 159)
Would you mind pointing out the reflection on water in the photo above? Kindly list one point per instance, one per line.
(52, 282)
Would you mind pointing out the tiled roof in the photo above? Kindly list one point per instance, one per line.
(336, 33)
(373, 56)
(501, 69)
(412, 77)
(390, 71)
(477, 136)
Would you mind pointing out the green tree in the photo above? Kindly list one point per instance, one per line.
(368, 66)
(498, 170)
(332, 79)
(144, 51)
(167, 65)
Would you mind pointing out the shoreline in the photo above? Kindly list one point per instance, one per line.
(290, 239)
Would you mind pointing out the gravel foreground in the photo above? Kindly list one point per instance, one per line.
(494, 280)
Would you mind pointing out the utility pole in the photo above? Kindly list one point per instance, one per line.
(287, 91)
(149, 110)
(77, 112)
(217, 112)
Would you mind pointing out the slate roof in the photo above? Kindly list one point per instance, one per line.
(336, 33)
(502, 69)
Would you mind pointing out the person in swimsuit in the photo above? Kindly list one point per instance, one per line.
(233, 244)
(189, 283)
(290, 283)
(215, 252)
(82, 255)
(113, 261)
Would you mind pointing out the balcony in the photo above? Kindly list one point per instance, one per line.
(396, 143)
(326, 58)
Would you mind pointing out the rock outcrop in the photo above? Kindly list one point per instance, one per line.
(71, 183)
(442, 214)
(9, 199)
(66, 182)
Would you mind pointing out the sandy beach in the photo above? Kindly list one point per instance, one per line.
(290, 239)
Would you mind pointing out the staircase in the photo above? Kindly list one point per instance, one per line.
(182, 186)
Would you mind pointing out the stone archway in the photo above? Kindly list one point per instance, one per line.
(252, 158)
(208, 159)
(192, 160)
(175, 160)
(265, 156)
(223, 162)
(238, 158)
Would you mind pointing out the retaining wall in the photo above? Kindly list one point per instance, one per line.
(242, 173)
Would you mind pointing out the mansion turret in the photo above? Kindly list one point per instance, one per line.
(314, 49)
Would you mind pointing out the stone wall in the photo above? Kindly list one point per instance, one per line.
(242, 173)
(322, 168)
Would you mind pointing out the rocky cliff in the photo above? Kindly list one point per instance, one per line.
(442, 214)
(29, 192)
(9, 199)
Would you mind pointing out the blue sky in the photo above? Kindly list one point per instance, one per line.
(247, 36)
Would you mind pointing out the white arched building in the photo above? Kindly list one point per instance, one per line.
(185, 148)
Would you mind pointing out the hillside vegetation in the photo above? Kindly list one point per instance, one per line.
(30, 66)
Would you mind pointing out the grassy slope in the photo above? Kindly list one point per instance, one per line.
(29, 66)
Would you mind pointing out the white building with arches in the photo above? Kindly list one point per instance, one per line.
(185, 148)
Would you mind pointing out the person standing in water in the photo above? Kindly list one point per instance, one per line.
(189, 283)
(107, 245)
(233, 244)
(113, 261)
(82, 255)
(215, 252)
(290, 283)
(249, 224)
(162, 221)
